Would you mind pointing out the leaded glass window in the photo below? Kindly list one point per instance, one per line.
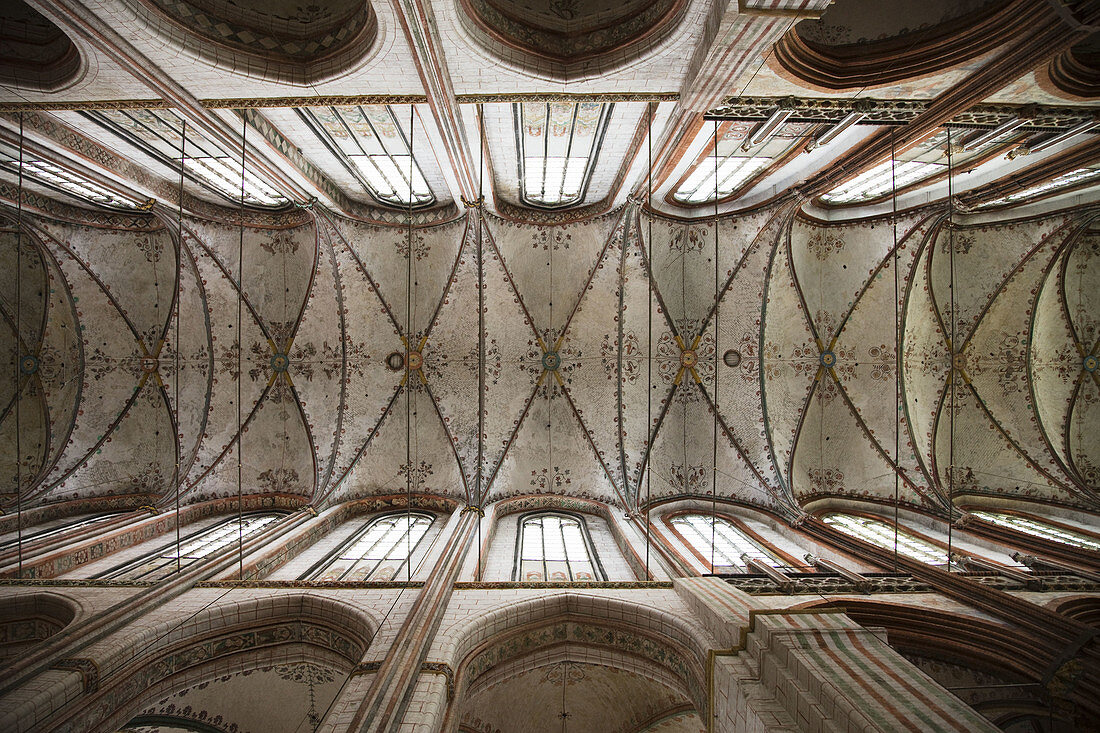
(377, 552)
(555, 547)
(62, 179)
(737, 167)
(557, 146)
(882, 534)
(194, 548)
(373, 144)
(1039, 529)
(729, 542)
(159, 133)
(38, 536)
(1065, 181)
(926, 159)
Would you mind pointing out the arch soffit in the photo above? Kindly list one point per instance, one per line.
(963, 636)
(636, 634)
(836, 67)
(464, 641)
(249, 46)
(353, 627)
(56, 607)
(43, 58)
(566, 48)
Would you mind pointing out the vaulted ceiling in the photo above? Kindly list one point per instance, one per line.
(730, 323)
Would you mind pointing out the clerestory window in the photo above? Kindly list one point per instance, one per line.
(555, 547)
(720, 543)
(737, 167)
(159, 134)
(882, 534)
(373, 144)
(197, 546)
(557, 144)
(1036, 528)
(61, 179)
(379, 551)
(916, 165)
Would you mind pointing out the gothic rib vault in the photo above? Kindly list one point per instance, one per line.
(806, 414)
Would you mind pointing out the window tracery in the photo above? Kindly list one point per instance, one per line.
(737, 166)
(882, 534)
(379, 551)
(159, 133)
(555, 547)
(200, 545)
(1035, 528)
(917, 164)
(374, 147)
(54, 531)
(729, 542)
(557, 145)
(63, 180)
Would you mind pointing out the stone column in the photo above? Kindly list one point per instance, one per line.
(812, 670)
(405, 694)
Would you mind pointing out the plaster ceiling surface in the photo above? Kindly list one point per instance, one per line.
(593, 696)
(607, 351)
(605, 372)
(274, 699)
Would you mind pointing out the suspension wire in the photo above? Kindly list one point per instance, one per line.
(179, 305)
(952, 376)
(240, 370)
(18, 362)
(649, 338)
(408, 370)
(897, 349)
(714, 444)
(480, 326)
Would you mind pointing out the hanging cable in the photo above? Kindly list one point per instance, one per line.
(240, 370)
(480, 498)
(952, 381)
(408, 371)
(649, 338)
(18, 361)
(179, 305)
(714, 446)
(897, 348)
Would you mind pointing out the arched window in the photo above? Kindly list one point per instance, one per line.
(555, 547)
(40, 535)
(882, 534)
(1036, 528)
(734, 167)
(729, 542)
(61, 179)
(379, 551)
(158, 133)
(558, 143)
(193, 548)
(373, 144)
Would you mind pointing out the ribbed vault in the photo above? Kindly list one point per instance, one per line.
(609, 372)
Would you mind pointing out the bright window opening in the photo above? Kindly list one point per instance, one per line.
(64, 181)
(1066, 180)
(729, 542)
(737, 167)
(380, 551)
(918, 163)
(558, 143)
(373, 143)
(882, 534)
(159, 133)
(199, 546)
(555, 547)
(1040, 529)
